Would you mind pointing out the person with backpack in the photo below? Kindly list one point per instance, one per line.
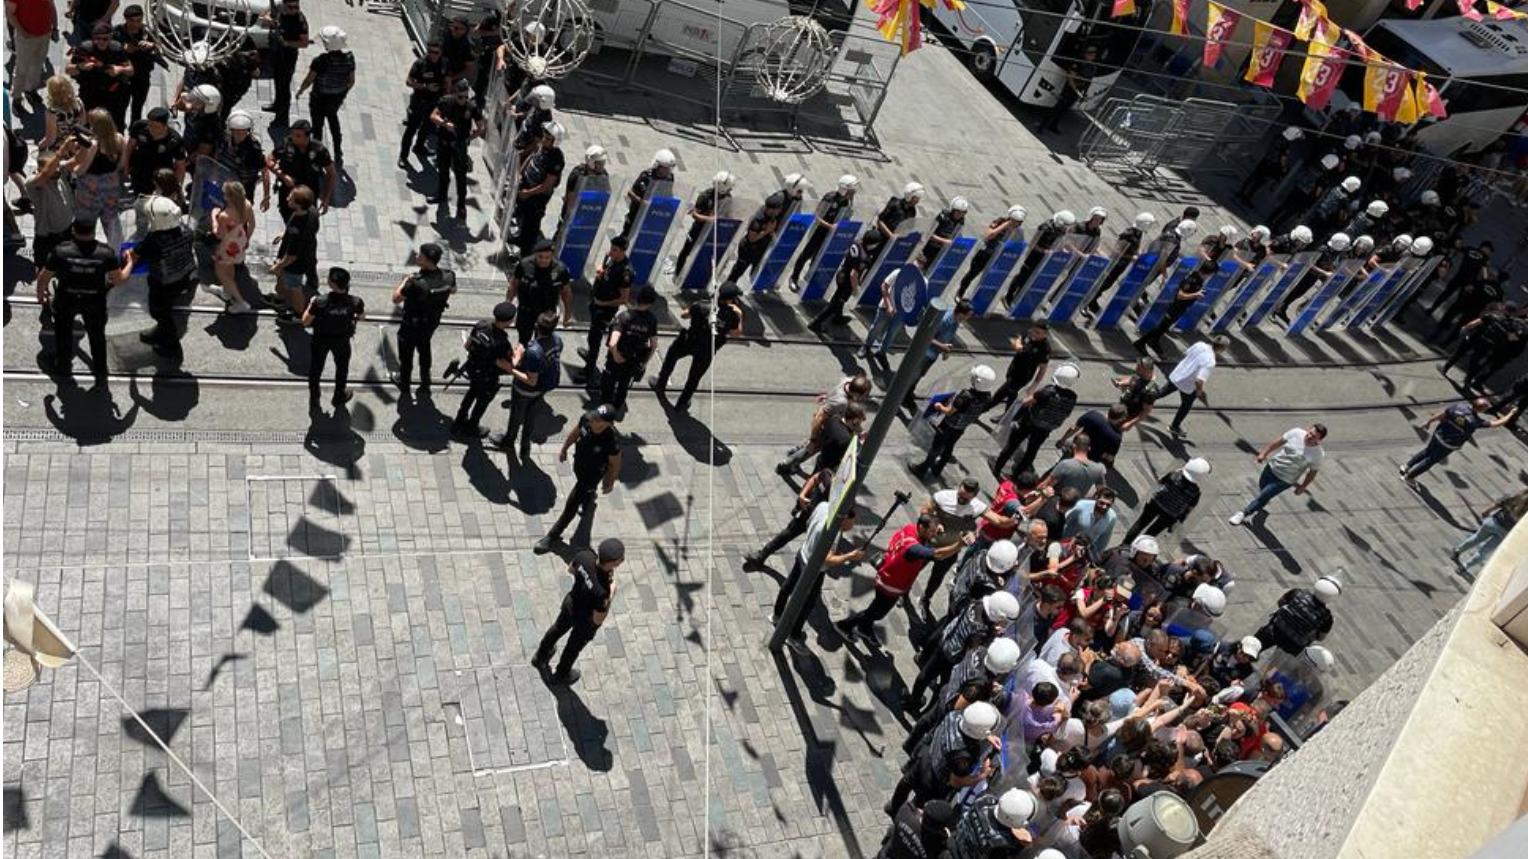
(704, 337)
(488, 355)
(169, 250)
(1039, 415)
(333, 318)
(425, 295)
(537, 370)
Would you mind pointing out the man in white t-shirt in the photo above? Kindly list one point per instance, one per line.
(1291, 460)
(1189, 376)
(957, 510)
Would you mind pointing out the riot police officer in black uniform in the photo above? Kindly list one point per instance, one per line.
(86, 270)
(291, 37)
(596, 463)
(424, 296)
(458, 120)
(607, 295)
(540, 283)
(633, 338)
(333, 318)
(583, 610)
(427, 84)
(169, 250)
(540, 172)
(830, 209)
(704, 337)
(855, 266)
(919, 833)
(958, 754)
(488, 355)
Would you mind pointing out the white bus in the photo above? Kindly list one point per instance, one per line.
(1479, 67)
(1022, 43)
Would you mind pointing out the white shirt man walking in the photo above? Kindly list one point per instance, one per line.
(1189, 377)
(1291, 460)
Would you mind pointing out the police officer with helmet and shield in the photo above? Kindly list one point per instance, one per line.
(333, 317)
(425, 295)
(488, 355)
(86, 270)
(169, 250)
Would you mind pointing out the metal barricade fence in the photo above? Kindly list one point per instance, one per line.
(1145, 132)
(693, 71)
(426, 18)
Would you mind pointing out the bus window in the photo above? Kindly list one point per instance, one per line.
(1040, 30)
(1115, 44)
(1486, 93)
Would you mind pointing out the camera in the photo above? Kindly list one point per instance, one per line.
(80, 136)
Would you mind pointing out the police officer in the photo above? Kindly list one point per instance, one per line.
(540, 173)
(998, 232)
(1046, 237)
(86, 270)
(1302, 617)
(537, 370)
(898, 209)
(489, 354)
(142, 52)
(758, 233)
(996, 827)
(540, 283)
(104, 71)
(458, 120)
(947, 225)
(531, 115)
(1127, 246)
(239, 151)
(333, 318)
(709, 203)
(169, 250)
(958, 754)
(919, 833)
(596, 463)
(203, 123)
(662, 170)
(583, 610)
(593, 164)
(332, 76)
(291, 37)
(237, 71)
(851, 271)
(152, 145)
(459, 50)
(1040, 414)
(980, 676)
(830, 210)
(704, 337)
(299, 162)
(633, 339)
(980, 623)
(1190, 290)
(427, 85)
(424, 295)
(607, 295)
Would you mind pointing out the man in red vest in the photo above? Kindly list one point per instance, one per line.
(909, 550)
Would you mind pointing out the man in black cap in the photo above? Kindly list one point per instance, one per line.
(333, 318)
(300, 162)
(596, 463)
(105, 73)
(426, 83)
(583, 610)
(86, 270)
(291, 37)
(701, 341)
(458, 121)
(633, 338)
(489, 354)
(607, 295)
(152, 144)
(424, 296)
(540, 283)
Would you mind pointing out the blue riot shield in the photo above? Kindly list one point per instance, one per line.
(1324, 295)
(1003, 263)
(1363, 286)
(576, 244)
(832, 256)
(1214, 288)
(711, 248)
(649, 235)
(780, 253)
(1047, 274)
(1267, 272)
(1077, 290)
(1412, 284)
(896, 253)
(1286, 282)
(1125, 293)
(949, 262)
(1169, 290)
(1373, 298)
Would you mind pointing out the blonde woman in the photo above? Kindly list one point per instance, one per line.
(97, 172)
(233, 224)
(66, 112)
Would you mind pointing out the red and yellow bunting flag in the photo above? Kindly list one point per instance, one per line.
(1123, 8)
(900, 21)
(1323, 69)
(1502, 13)
(1312, 20)
(1384, 87)
(1268, 46)
(1467, 9)
(1179, 26)
(1428, 99)
(1220, 26)
(1411, 5)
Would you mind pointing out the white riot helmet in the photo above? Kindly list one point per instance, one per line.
(1196, 469)
(847, 182)
(333, 37)
(1373, 137)
(979, 720)
(1050, 853)
(240, 120)
(1251, 646)
(722, 182)
(983, 378)
(1015, 808)
(1098, 212)
(595, 154)
(1320, 657)
(1378, 209)
(1229, 233)
(1065, 376)
(1017, 213)
(1064, 217)
(1000, 606)
(1302, 234)
(794, 182)
(163, 213)
(1401, 242)
(544, 96)
(1001, 556)
(1351, 184)
(1352, 142)
(664, 158)
(1259, 233)
(1328, 588)
(1429, 198)
(1330, 162)
(1002, 656)
(1211, 599)
(208, 97)
(1339, 242)
(1145, 221)
(1292, 134)
(1363, 244)
(912, 191)
(1400, 174)
(1186, 228)
(1145, 543)
(554, 130)
(960, 204)
(1421, 246)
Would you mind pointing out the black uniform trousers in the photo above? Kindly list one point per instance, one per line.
(414, 338)
(690, 239)
(583, 499)
(93, 312)
(794, 527)
(415, 122)
(1022, 433)
(1186, 402)
(599, 324)
(700, 361)
(616, 381)
(480, 392)
(529, 213)
(918, 783)
(793, 581)
(940, 450)
(835, 309)
(809, 250)
(138, 94)
(936, 575)
(285, 65)
(867, 617)
(1115, 273)
(162, 299)
(324, 107)
(451, 158)
(1152, 339)
(322, 348)
(978, 266)
(579, 630)
(924, 726)
(935, 671)
(1153, 520)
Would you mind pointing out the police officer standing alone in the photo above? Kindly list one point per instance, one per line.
(169, 251)
(425, 295)
(596, 463)
(331, 75)
(291, 37)
(704, 337)
(427, 84)
(458, 121)
(488, 355)
(86, 270)
(583, 610)
(333, 318)
(607, 295)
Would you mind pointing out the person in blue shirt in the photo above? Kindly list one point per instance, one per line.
(1456, 425)
(940, 346)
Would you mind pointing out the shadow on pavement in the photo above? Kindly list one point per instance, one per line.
(90, 417)
(588, 733)
(172, 396)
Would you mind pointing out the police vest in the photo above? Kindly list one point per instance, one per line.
(484, 348)
(968, 629)
(1052, 410)
(427, 301)
(979, 835)
(334, 316)
(1300, 620)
